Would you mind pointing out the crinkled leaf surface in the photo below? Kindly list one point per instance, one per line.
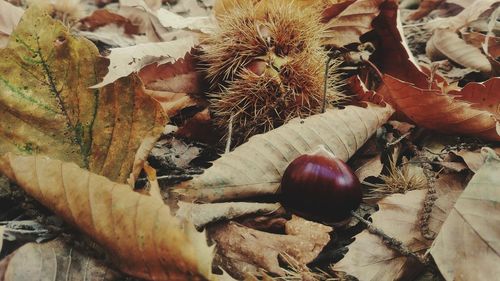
(46, 106)
(468, 245)
(138, 231)
(55, 261)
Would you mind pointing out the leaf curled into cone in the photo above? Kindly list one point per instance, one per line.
(138, 231)
(256, 167)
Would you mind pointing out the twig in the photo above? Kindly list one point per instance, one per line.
(323, 108)
(229, 134)
(389, 144)
(391, 242)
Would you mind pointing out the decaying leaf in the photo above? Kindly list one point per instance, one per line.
(425, 7)
(445, 43)
(473, 159)
(138, 232)
(256, 167)
(353, 21)
(57, 261)
(369, 258)
(468, 245)
(242, 250)
(124, 61)
(449, 114)
(9, 18)
(48, 108)
(203, 214)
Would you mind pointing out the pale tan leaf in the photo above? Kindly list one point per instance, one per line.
(243, 250)
(468, 245)
(448, 188)
(9, 18)
(471, 13)
(2, 230)
(445, 43)
(204, 24)
(473, 159)
(256, 167)
(355, 20)
(55, 261)
(369, 258)
(371, 168)
(124, 61)
(138, 231)
(202, 214)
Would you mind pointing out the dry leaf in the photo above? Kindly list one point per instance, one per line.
(372, 168)
(114, 36)
(468, 245)
(9, 18)
(425, 7)
(477, 40)
(256, 167)
(2, 230)
(55, 261)
(200, 128)
(473, 159)
(369, 258)
(48, 108)
(243, 250)
(445, 43)
(124, 61)
(355, 20)
(203, 214)
(449, 114)
(100, 18)
(448, 188)
(138, 232)
(464, 18)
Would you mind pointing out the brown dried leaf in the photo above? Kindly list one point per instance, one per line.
(471, 13)
(445, 43)
(57, 261)
(468, 245)
(426, 6)
(100, 18)
(242, 250)
(369, 258)
(9, 18)
(449, 114)
(372, 168)
(138, 232)
(203, 214)
(256, 167)
(354, 21)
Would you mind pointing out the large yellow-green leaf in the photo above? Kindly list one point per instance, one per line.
(47, 107)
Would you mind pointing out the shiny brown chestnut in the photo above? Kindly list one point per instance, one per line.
(321, 187)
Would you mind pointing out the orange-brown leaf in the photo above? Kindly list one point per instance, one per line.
(143, 239)
(436, 110)
(101, 18)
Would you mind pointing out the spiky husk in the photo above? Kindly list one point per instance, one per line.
(288, 38)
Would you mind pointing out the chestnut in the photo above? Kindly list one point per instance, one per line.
(321, 187)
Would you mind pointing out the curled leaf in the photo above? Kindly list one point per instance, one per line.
(445, 43)
(256, 167)
(142, 237)
(353, 21)
(449, 114)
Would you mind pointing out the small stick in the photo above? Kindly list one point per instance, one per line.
(323, 108)
(391, 242)
(229, 135)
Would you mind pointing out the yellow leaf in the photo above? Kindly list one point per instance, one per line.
(47, 107)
